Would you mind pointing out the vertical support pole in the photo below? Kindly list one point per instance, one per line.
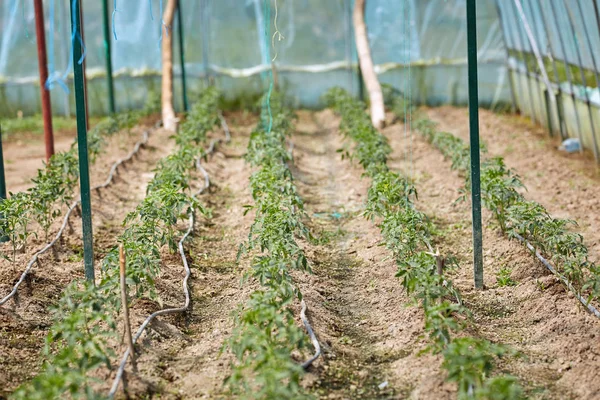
(474, 141)
(182, 55)
(108, 54)
(349, 41)
(43, 69)
(548, 112)
(3, 239)
(361, 84)
(85, 83)
(2, 175)
(205, 40)
(82, 145)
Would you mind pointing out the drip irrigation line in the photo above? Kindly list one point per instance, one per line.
(313, 337)
(167, 311)
(225, 127)
(547, 264)
(73, 206)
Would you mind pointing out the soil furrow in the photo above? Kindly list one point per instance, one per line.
(533, 313)
(27, 319)
(371, 339)
(180, 357)
(566, 184)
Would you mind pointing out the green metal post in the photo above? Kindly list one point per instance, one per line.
(108, 55)
(3, 239)
(361, 84)
(2, 176)
(474, 141)
(182, 56)
(548, 114)
(82, 145)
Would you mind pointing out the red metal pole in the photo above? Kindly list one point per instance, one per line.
(85, 85)
(43, 67)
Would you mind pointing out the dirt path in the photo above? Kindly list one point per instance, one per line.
(568, 185)
(26, 321)
(180, 356)
(558, 340)
(357, 306)
(24, 156)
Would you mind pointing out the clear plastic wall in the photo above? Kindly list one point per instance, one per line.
(553, 57)
(224, 39)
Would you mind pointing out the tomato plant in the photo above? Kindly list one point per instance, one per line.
(408, 234)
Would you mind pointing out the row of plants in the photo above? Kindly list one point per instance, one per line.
(517, 216)
(408, 233)
(265, 334)
(84, 330)
(55, 184)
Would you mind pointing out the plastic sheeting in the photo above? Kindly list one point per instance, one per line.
(225, 40)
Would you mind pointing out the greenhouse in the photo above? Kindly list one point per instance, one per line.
(300, 199)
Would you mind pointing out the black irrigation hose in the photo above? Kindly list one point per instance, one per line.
(73, 206)
(313, 337)
(123, 363)
(547, 264)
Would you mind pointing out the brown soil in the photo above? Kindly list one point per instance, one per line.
(370, 331)
(371, 338)
(183, 359)
(538, 317)
(25, 319)
(568, 185)
(24, 156)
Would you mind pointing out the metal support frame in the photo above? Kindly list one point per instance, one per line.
(520, 41)
(205, 40)
(108, 55)
(583, 78)
(550, 91)
(82, 145)
(568, 73)
(559, 103)
(43, 71)
(474, 142)
(507, 56)
(182, 55)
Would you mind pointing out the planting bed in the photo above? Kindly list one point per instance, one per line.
(332, 228)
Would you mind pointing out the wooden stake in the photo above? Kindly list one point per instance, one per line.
(440, 261)
(366, 65)
(125, 305)
(168, 112)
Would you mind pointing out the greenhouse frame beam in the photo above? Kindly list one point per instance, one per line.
(82, 143)
(474, 142)
(43, 71)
